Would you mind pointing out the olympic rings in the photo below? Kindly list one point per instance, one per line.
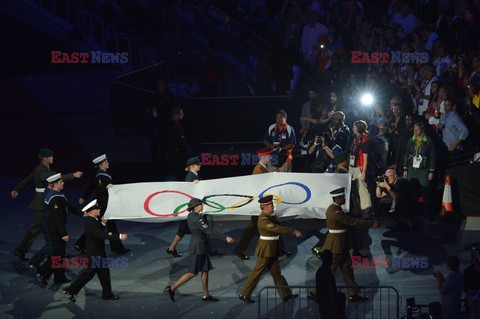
(219, 207)
(307, 191)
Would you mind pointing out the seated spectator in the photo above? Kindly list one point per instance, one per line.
(335, 101)
(467, 35)
(427, 74)
(280, 137)
(450, 289)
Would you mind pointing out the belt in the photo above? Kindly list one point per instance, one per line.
(270, 237)
(39, 190)
(337, 231)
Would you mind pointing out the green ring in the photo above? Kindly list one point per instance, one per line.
(220, 207)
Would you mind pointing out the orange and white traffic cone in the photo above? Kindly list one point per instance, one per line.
(447, 203)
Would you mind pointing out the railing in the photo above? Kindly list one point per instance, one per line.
(383, 303)
(144, 79)
(98, 30)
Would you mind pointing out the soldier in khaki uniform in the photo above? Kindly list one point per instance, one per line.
(267, 252)
(37, 178)
(337, 241)
(263, 166)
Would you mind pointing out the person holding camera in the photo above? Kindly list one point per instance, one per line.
(398, 189)
(322, 154)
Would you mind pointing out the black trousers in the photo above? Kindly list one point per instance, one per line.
(59, 250)
(115, 245)
(85, 276)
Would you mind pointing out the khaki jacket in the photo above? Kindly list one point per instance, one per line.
(337, 220)
(269, 226)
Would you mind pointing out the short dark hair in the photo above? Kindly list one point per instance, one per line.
(282, 113)
(453, 262)
(420, 126)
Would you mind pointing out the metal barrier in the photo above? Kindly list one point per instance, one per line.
(383, 303)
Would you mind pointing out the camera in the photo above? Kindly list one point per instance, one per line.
(380, 179)
(319, 139)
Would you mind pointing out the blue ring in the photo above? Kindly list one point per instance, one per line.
(307, 191)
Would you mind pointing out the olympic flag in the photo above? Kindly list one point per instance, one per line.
(305, 195)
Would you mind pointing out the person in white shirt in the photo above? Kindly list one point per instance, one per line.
(406, 21)
(311, 35)
(442, 62)
(427, 73)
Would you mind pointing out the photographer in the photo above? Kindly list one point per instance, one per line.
(402, 205)
(323, 155)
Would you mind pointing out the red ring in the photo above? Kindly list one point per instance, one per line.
(149, 198)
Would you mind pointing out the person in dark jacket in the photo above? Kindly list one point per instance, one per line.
(326, 286)
(198, 249)
(57, 205)
(95, 245)
(192, 167)
(419, 163)
(103, 181)
(36, 178)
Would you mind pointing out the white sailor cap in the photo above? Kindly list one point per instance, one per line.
(338, 192)
(91, 206)
(100, 159)
(54, 178)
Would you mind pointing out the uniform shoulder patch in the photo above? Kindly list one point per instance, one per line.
(270, 225)
(109, 233)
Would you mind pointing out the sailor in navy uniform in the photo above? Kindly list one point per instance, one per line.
(198, 249)
(103, 181)
(57, 208)
(95, 245)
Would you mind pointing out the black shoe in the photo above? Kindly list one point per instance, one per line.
(286, 253)
(62, 280)
(32, 267)
(209, 298)
(171, 293)
(81, 250)
(246, 299)
(215, 253)
(20, 255)
(291, 296)
(174, 253)
(357, 298)
(112, 297)
(69, 295)
(311, 296)
(42, 279)
(122, 251)
(240, 255)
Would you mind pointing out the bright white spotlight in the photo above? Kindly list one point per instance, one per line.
(367, 99)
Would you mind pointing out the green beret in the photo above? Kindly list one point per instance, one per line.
(340, 157)
(45, 152)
